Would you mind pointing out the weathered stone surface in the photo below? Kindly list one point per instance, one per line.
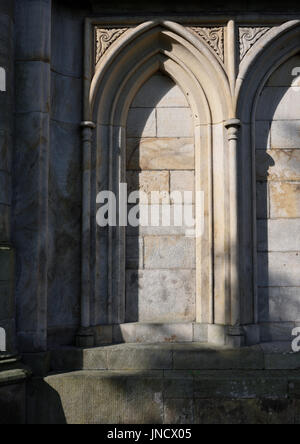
(160, 295)
(278, 269)
(33, 31)
(30, 78)
(174, 122)
(159, 92)
(67, 58)
(7, 302)
(279, 304)
(66, 93)
(138, 358)
(6, 264)
(13, 404)
(134, 253)
(285, 134)
(64, 217)
(283, 76)
(218, 359)
(5, 213)
(141, 122)
(165, 220)
(277, 235)
(153, 333)
(148, 181)
(179, 411)
(247, 411)
(285, 199)
(5, 151)
(262, 135)
(278, 165)
(280, 331)
(5, 188)
(262, 200)
(183, 181)
(170, 252)
(278, 103)
(161, 154)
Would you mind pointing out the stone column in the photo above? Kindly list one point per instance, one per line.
(7, 301)
(85, 336)
(236, 334)
(31, 170)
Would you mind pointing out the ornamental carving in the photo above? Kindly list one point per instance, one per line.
(214, 37)
(248, 37)
(105, 37)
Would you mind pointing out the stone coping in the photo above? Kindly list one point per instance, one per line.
(166, 357)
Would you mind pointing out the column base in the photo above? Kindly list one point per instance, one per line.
(85, 338)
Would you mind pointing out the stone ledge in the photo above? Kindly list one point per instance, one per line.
(192, 356)
(169, 397)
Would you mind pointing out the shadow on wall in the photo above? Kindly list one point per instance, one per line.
(277, 173)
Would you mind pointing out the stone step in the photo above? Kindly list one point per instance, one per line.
(195, 356)
(170, 397)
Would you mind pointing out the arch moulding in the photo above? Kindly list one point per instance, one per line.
(119, 59)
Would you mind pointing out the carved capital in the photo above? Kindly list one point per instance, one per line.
(233, 126)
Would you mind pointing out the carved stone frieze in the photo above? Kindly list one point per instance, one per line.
(104, 38)
(248, 37)
(214, 37)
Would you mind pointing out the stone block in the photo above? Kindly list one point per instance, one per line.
(148, 182)
(278, 165)
(262, 200)
(5, 188)
(67, 58)
(141, 122)
(285, 134)
(183, 181)
(134, 253)
(175, 122)
(262, 135)
(285, 361)
(5, 215)
(247, 411)
(179, 411)
(239, 386)
(138, 358)
(170, 252)
(66, 97)
(278, 269)
(159, 92)
(33, 87)
(13, 404)
(218, 359)
(279, 304)
(6, 264)
(278, 235)
(200, 333)
(278, 103)
(161, 296)
(285, 200)
(5, 151)
(161, 154)
(163, 220)
(34, 30)
(283, 76)
(216, 334)
(272, 331)
(7, 302)
(153, 333)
